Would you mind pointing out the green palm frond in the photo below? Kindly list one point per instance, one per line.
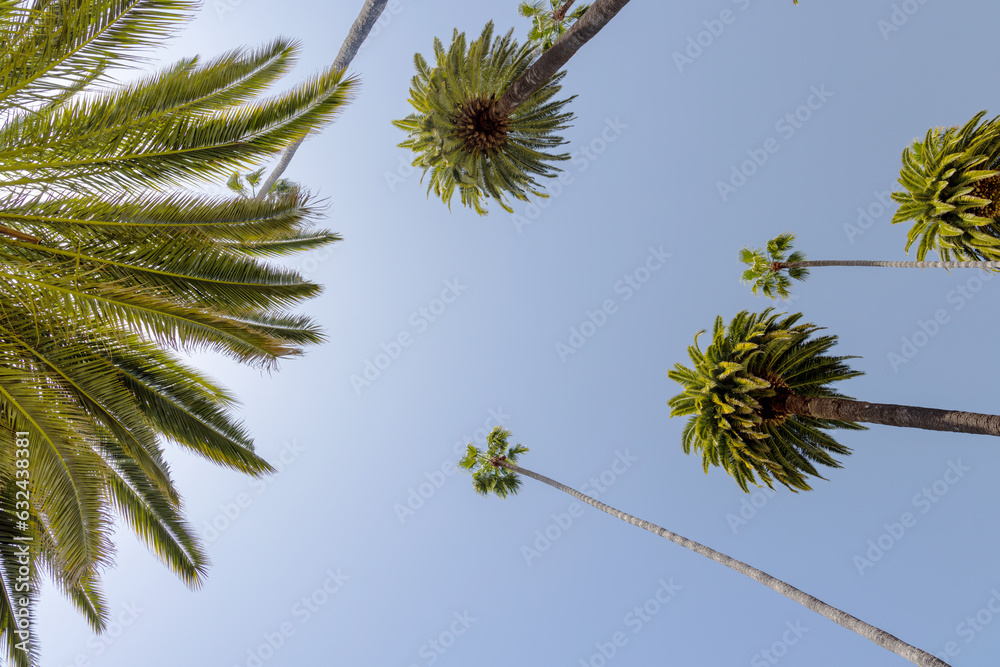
(735, 396)
(458, 142)
(764, 273)
(487, 476)
(109, 268)
(952, 195)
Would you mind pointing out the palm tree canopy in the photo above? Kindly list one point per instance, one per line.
(952, 181)
(762, 274)
(734, 395)
(109, 266)
(488, 476)
(456, 139)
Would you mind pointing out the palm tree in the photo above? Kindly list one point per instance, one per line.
(548, 23)
(952, 181)
(760, 398)
(356, 36)
(458, 141)
(764, 274)
(246, 184)
(107, 266)
(496, 471)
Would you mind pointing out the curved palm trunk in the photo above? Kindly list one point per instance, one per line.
(777, 266)
(355, 38)
(880, 637)
(550, 62)
(908, 416)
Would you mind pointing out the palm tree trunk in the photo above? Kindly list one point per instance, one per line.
(550, 62)
(899, 265)
(880, 637)
(370, 13)
(930, 419)
(560, 13)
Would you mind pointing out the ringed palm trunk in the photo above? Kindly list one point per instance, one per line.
(370, 13)
(880, 637)
(888, 414)
(777, 266)
(550, 62)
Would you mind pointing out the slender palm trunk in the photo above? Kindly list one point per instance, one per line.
(908, 416)
(777, 266)
(550, 62)
(880, 637)
(370, 12)
(560, 13)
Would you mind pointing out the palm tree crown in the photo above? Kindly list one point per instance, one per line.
(461, 143)
(952, 181)
(735, 394)
(488, 474)
(764, 274)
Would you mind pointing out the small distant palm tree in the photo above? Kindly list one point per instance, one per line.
(246, 184)
(760, 398)
(952, 181)
(496, 471)
(764, 274)
(548, 23)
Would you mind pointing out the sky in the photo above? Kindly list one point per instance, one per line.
(699, 128)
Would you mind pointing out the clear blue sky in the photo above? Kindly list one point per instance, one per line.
(321, 561)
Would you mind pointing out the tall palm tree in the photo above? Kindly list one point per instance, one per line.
(766, 266)
(549, 22)
(496, 471)
(107, 266)
(457, 140)
(356, 36)
(470, 130)
(760, 397)
(952, 181)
